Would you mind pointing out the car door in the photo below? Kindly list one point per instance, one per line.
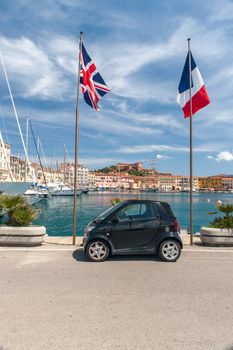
(135, 226)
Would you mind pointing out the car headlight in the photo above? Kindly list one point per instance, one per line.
(88, 229)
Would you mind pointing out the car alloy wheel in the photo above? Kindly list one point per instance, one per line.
(97, 251)
(169, 250)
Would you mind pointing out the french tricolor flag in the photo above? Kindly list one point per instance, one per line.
(199, 94)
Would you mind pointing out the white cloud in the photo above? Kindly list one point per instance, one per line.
(97, 162)
(124, 61)
(48, 68)
(31, 71)
(102, 122)
(151, 148)
(162, 156)
(127, 114)
(224, 155)
(221, 10)
(166, 148)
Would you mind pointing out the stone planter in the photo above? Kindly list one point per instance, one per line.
(216, 236)
(28, 236)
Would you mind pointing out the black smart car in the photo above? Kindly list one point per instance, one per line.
(134, 227)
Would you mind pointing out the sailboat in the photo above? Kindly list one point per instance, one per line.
(63, 190)
(60, 189)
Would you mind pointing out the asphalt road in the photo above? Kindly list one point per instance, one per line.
(57, 300)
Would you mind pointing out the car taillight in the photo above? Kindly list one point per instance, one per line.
(176, 224)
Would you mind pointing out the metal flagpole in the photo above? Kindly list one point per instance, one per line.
(76, 144)
(191, 146)
(26, 166)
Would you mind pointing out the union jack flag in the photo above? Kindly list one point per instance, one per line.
(93, 85)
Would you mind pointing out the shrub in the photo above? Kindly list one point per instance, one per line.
(19, 212)
(115, 201)
(225, 221)
(10, 201)
(21, 215)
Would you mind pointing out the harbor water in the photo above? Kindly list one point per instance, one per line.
(56, 213)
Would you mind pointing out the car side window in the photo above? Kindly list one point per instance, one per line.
(135, 211)
(155, 211)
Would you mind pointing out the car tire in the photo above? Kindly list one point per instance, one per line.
(169, 250)
(97, 251)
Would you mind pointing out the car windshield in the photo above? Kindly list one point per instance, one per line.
(106, 213)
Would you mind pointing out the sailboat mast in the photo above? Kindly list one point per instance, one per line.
(16, 115)
(37, 151)
(64, 168)
(45, 161)
(67, 155)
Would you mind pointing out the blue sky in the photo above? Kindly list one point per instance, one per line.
(139, 48)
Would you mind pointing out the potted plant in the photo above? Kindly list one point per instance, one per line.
(16, 217)
(220, 230)
(115, 201)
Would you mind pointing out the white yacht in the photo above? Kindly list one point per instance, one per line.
(60, 189)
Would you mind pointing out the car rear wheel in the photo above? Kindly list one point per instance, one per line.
(169, 250)
(97, 251)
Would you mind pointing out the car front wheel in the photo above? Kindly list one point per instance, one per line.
(169, 250)
(97, 251)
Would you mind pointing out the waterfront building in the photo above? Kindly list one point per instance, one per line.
(67, 175)
(138, 166)
(18, 166)
(50, 174)
(83, 176)
(167, 183)
(4, 171)
(210, 183)
(114, 180)
(183, 183)
(147, 182)
(227, 183)
(91, 179)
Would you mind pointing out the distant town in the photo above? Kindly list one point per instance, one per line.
(121, 176)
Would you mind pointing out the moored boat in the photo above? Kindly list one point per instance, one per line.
(63, 190)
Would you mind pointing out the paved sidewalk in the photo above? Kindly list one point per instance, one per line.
(63, 240)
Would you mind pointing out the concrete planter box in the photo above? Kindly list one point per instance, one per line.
(22, 236)
(216, 236)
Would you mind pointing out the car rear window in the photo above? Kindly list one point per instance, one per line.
(168, 209)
